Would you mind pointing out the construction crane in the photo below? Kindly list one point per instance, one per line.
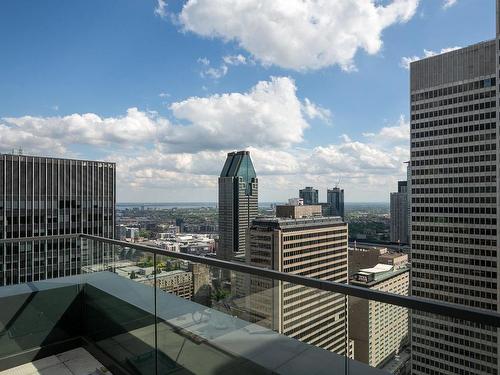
(338, 182)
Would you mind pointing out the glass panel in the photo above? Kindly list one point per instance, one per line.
(155, 314)
(119, 302)
(237, 322)
(29, 317)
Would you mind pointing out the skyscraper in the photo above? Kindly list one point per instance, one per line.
(335, 199)
(307, 246)
(408, 198)
(454, 174)
(399, 214)
(40, 197)
(309, 195)
(238, 203)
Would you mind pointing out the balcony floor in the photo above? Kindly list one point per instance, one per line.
(73, 362)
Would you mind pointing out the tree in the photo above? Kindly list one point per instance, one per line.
(144, 233)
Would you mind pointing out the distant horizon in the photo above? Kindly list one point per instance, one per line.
(214, 202)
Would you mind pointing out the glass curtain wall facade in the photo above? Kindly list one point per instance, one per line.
(335, 199)
(41, 197)
(309, 195)
(238, 203)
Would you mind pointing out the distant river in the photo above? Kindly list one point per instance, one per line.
(125, 205)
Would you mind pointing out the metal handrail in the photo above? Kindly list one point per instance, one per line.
(480, 316)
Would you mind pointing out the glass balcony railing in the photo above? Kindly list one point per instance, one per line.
(143, 310)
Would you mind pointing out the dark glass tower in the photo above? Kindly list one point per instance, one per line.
(399, 213)
(42, 197)
(335, 199)
(238, 203)
(309, 195)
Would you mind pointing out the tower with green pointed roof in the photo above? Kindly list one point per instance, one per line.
(238, 203)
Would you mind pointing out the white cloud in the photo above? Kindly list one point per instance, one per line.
(298, 34)
(204, 61)
(211, 72)
(235, 59)
(164, 95)
(161, 8)
(91, 129)
(215, 73)
(406, 61)
(448, 3)
(397, 133)
(369, 170)
(180, 159)
(15, 138)
(270, 114)
(313, 111)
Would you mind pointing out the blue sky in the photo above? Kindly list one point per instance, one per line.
(70, 71)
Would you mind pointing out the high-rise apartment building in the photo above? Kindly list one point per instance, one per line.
(399, 214)
(335, 199)
(40, 197)
(308, 246)
(238, 203)
(309, 195)
(454, 206)
(379, 330)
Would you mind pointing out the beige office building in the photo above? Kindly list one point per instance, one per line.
(379, 330)
(454, 206)
(307, 246)
(177, 282)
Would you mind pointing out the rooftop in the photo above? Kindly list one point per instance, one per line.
(369, 277)
(295, 223)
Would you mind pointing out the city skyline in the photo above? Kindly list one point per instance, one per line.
(145, 152)
(81, 105)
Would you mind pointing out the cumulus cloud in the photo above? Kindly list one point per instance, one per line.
(368, 170)
(297, 34)
(88, 128)
(313, 111)
(448, 3)
(397, 133)
(406, 61)
(16, 138)
(180, 159)
(270, 114)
